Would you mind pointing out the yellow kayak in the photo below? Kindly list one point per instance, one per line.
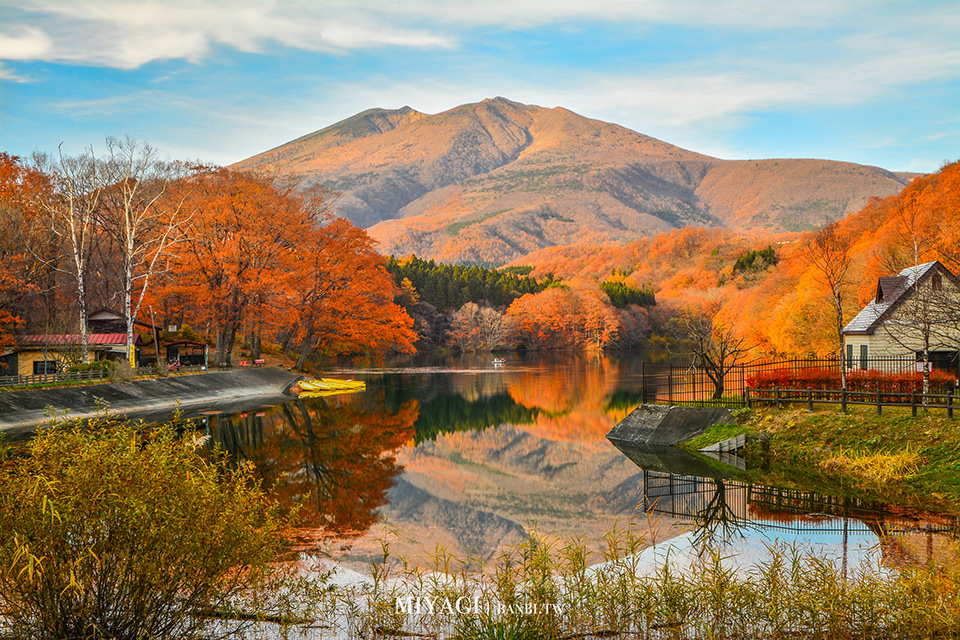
(332, 384)
(324, 394)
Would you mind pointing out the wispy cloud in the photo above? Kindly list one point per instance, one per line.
(126, 35)
(10, 75)
(120, 34)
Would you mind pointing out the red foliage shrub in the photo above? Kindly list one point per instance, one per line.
(857, 380)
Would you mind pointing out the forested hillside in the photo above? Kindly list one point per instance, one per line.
(766, 287)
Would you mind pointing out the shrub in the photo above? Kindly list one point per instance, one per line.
(97, 365)
(110, 533)
(121, 371)
(859, 380)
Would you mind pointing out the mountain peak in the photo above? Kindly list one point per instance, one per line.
(493, 180)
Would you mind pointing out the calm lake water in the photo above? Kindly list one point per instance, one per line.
(461, 458)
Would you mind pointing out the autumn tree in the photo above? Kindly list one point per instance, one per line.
(829, 253)
(715, 347)
(340, 299)
(476, 328)
(71, 207)
(577, 316)
(262, 255)
(26, 252)
(239, 243)
(141, 210)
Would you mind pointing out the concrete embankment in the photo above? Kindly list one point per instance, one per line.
(26, 408)
(660, 425)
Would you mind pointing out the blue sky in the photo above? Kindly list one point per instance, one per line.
(865, 81)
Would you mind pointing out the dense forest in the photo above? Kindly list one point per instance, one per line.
(449, 287)
(472, 308)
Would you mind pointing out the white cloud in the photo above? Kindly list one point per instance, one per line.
(121, 34)
(24, 43)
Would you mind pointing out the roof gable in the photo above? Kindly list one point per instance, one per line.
(891, 292)
(891, 288)
(105, 314)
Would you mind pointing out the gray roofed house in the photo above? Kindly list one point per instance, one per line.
(915, 309)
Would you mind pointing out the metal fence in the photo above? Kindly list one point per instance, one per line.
(92, 375)
(688, 383)
(49, 378)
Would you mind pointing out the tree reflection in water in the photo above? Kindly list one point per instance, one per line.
(334, 459)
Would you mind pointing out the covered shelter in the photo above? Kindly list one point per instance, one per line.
(187, 352)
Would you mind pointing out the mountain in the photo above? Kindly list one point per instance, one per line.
(495, 180)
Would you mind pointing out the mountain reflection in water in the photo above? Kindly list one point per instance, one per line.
(465, 455)
(465, 459)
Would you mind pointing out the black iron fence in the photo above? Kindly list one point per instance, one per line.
(689, 383)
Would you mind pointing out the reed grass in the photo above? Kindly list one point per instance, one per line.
(544, 590)
(876, 469)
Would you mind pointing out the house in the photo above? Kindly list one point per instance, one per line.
(35, 354)
(915, 310)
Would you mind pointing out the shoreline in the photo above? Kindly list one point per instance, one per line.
(24, 409)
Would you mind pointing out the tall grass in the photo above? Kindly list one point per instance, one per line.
(877, 468)
(544, 590)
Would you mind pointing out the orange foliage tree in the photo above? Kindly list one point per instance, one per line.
(339, 299)
(26, 253)
(794, 311)
(273, 258)
(576, 316)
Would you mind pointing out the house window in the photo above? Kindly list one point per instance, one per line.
(863, 356)
(850, 356)
(44, 366)
(936, 282)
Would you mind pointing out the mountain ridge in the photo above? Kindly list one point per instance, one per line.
(493, 180)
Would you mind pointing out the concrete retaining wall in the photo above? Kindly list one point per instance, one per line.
(31, 407)
(656, 425)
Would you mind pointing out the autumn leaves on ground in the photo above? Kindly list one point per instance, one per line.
(245, 260)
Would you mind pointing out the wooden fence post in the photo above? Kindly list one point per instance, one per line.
(879, 406)
(746, 394)
(950, 405)
(913, 403)
(776, 395)
(810, 398)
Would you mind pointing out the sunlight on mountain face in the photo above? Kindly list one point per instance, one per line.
(495, 180)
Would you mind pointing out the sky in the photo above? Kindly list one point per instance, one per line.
(868, 81)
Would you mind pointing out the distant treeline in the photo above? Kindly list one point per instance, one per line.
(621, 294)
(448, 287)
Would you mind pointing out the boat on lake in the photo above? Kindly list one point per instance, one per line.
(330, 384)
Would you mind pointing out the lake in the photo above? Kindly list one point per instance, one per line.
(458, 458)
